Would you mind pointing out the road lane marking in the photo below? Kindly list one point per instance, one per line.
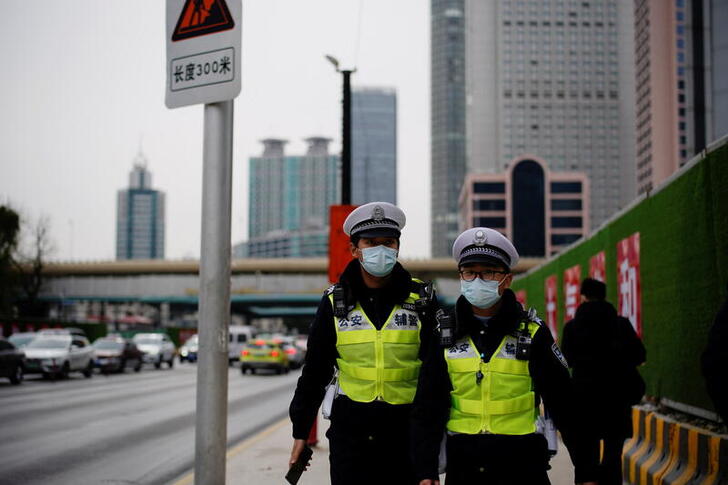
(239, 448)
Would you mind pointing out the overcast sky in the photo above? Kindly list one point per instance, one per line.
(83, 86)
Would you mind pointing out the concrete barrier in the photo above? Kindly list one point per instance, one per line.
(665, 452)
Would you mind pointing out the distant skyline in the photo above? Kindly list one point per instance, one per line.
(140, 216)
(374, 144)
(83, 92)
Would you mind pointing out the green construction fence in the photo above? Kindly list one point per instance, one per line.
(683, 260)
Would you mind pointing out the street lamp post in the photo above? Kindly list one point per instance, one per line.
(345, 131)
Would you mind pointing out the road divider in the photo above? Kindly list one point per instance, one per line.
(664, 451)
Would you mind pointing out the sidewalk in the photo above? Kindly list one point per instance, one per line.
(263, 458)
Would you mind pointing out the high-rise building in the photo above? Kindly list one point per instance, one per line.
(289, 201)
(681, 55)
(140, 216)
(540, 210)
(447, 55)
(717, 19)
(373, 145)
(554, 79)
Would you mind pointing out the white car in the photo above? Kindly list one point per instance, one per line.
(21, 339)
(188, 351)
(56, 355)
(157, 348)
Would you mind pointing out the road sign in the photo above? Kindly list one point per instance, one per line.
(203, 51)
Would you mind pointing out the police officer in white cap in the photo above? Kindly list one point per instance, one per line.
(483, 386)
(369, 329)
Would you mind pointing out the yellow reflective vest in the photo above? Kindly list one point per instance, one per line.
(380, 364)
(501, 399)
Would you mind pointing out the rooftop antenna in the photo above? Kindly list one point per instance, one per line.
(140, 159)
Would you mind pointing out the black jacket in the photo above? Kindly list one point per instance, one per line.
(603, 350)
(715, 362)
(546, 366)
(321, 352)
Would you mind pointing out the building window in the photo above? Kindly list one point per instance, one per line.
(562, 222)
(561, 239)
(565, 187)
(489, 205)
(493, 222)
(489, 187)
(528, 205)
(566, 204)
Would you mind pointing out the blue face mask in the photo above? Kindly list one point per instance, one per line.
(480, 293)
(379, 260)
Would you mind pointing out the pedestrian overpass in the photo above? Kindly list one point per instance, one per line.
(260, 288)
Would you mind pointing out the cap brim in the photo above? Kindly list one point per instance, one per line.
(482, 258)
(378, 232)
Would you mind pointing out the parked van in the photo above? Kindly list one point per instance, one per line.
(239, 336)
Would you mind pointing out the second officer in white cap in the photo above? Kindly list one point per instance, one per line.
(368, 328)
(483, 385)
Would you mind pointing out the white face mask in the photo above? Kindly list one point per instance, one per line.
(480, 293)
(379, 260)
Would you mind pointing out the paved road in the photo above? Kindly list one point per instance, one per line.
(121, 429)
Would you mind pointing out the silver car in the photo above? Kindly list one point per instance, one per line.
(57, 355)
(157, 348)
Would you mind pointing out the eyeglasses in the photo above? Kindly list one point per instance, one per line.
(488, 274)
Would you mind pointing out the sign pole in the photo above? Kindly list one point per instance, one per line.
(346, 140)
(214, 310)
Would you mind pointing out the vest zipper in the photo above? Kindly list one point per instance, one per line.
(484, 384)
(379, 358)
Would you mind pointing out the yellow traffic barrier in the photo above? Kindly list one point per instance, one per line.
(644, 448)
(673, 464)
(659, 454)
(638, 436)
(664, 452)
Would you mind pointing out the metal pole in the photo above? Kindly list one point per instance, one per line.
(214, 310)
(346, 141)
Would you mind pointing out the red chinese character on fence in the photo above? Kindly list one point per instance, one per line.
(628, 280)
(572, 277)
(597, 267)
(551, 305)
(521, 298)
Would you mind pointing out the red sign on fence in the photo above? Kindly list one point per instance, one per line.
(572, 277)
(339, 252)
(521, 298)
(597, 267)
(628, 280)
(552, 305)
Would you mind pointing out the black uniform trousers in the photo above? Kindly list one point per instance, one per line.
(497, 460)
(369, 443)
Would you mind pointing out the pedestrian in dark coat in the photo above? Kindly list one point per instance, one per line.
(603, 351)
(715, 362)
